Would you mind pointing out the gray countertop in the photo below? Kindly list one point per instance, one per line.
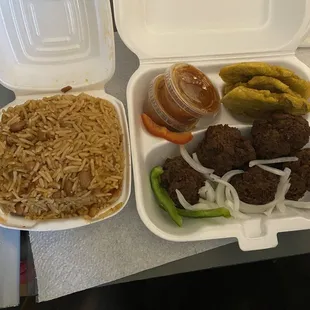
(292, 243)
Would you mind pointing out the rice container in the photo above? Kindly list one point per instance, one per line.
(41, 54)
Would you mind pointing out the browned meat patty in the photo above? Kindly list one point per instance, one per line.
(223, 149)
(297, 188)
(179, 175)
(279, 135)
(172, 167)
(302, 166)
(256, 186)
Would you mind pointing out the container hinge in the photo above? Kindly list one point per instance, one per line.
(214, 58)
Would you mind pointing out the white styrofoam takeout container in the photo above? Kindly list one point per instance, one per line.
(209, 34)
(47, 45)
(306, 40)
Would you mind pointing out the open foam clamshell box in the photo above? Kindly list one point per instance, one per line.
(209, 35)
(47, 45)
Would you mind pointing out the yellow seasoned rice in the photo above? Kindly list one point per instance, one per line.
(60, 157)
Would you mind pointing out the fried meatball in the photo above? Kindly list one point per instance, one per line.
(179, 175)
(256, 186)
(297, 188)
(302, 166)
(279, 135)
(171, 167)
(223, 149)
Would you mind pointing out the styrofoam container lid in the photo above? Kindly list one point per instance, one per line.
(306, 41)
(165, 29)
(46, 45)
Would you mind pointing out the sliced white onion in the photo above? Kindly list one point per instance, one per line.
(212, 205)
(281, 207)
(195, 157)
(225, 189)
(204, 206)
(196, 207)
(227, 176)
(272, 161)
(220, 190)
(203, 192)
(268, 207)
(283, 185)
(272, 170)
(282, 189)
(220, 195)
(256, 209)
(223, 183)
(236, 214)
(207, 192)
(228, 194)
(211, 195)
(287, 175)
(183, 202)
(300, 212)
(229, 204)
(196, 166)
(297, 204)
(269, 211)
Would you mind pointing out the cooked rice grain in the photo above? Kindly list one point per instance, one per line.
(64, 136)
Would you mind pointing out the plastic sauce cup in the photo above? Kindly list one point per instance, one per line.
(155, 107)
(191, 94)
